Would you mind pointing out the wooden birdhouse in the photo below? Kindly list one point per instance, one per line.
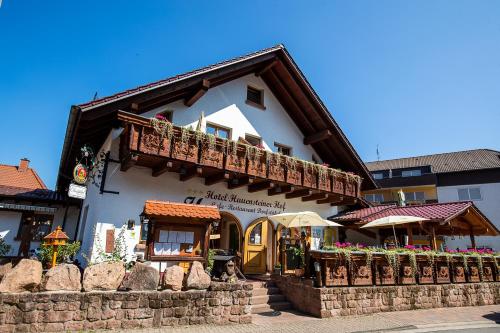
(55, 239)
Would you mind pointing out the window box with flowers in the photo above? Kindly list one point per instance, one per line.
(339, 180)
(294, 171)
(276, 166)
(310, 175)
(324, 177)
(185, 147)
(212, 150)
(256, 161)
(235, 157)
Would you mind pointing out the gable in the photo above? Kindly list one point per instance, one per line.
(89, 123)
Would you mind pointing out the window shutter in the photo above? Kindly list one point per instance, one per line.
(110, 240)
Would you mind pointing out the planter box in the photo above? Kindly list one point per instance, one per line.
(310, 177)
(151, 143)
(257, 167)
(442, 273)
(236, 162)
(325, 182)
(185, 151)
(361, 274)
(458, 273)
(350, 188)
(473, 275)
(276, 169)
(335, 273)
(338, 184)
(488, 272)
(294, 175)
(425, 273)
(384, 273)
(212, 158)
(406, 274)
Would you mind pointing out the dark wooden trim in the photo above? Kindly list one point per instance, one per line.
(162, 168)
(217, 178)
(315, 196)
(317, 137)
(190, 173)
(331, 199)
(255, 187)
(282, 189)
(266, 68)
(129, 161)
(243, 181)
(298, 193)
(198, 93)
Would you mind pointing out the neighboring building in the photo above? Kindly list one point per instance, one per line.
(472, 175)
(261, 99)
(29, 211)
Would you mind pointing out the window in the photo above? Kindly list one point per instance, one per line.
(414, 196)
(255, 97)
(375, 197)
(168, 115)
(471, 193)
(219, 131)
(378, 175)
(144, 231)
(411, 173)
(255, 234)
(35, 226)
(253, 140)
(283, 150)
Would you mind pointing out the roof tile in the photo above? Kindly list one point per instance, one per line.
(175, 209)
(10, 175)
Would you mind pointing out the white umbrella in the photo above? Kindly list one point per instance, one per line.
(302, 219)
(393, 220)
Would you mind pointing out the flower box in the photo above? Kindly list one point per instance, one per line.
(425, 273)
(350, 188)
(442, 273)
(488, 272)
(294, 173)
(473, 274)
(310, 177)
(324, 179)
(212, 158)
(338, 184)
(384, 273)
(458, 273)
(407, 275)
(361, 274)
(256, 166)
(335, 273)
(276, 168)
(152, 143)
(185, 151)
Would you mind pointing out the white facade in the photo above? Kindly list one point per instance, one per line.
(223, 105)
(489, 205)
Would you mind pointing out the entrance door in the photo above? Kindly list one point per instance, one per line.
(256, 248)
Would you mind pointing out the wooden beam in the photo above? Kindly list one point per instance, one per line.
(162, 168)
(279, 190)
(190, 173)
(134, 107)
(317, 137)
(129, 161)
(315, 196)
(232, 184)
(217, 178)
(266, 68)
(198, 93)
(298, 193)
(255, 187)
(409, 231)
(347, 201)
(433, 238)
(332, 198)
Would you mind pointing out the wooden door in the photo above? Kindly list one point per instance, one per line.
(256, 248)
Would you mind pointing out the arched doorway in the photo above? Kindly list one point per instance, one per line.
(258, 247)
(227, 234)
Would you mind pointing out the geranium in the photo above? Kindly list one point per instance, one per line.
(410, 247)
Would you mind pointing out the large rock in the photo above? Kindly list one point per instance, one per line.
(142, 277)
(197, 278)
(62, 277)
(173, 277)
(25, 276)
(103, 276)
(4, 269)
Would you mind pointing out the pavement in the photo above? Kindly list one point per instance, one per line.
(484, 319)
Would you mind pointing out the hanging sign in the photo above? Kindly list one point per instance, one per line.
(77, 191)
(80, 174)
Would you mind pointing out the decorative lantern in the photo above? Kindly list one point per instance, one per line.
(55, 238)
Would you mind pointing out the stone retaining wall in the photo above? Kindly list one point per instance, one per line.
(222, 303)
(341, 301)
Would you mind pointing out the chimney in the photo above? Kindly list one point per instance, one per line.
(23, 164)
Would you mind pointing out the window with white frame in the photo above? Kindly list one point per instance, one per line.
(469, 193)
(219, 131)
(374, 197)
(378, 175)
(414, 196)
(411, 173)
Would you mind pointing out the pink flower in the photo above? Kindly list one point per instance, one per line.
(410, 247)
(426, 248)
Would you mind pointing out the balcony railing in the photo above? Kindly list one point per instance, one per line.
(144, 141)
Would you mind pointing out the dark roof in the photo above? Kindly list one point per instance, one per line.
(89, 123)
(467, 160)
(440, 212)
(30, 194)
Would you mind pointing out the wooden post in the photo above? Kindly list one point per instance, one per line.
(433, 238)
(472, 240)
(409, 230)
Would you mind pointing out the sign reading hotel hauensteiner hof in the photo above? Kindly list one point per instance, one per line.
(77, 191)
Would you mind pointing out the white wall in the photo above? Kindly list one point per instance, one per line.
(489, 205)
(225, 105)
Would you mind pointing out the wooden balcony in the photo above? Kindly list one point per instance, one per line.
(195, 154)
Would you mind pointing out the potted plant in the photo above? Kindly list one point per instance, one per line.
(298, 253)
(277, 269)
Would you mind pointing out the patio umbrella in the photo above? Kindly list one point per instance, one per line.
(302, 219)
(393, 220)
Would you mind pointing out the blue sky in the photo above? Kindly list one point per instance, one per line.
(414, 77)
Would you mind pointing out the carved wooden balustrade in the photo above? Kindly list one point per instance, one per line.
(179, 148)
(380, 269)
